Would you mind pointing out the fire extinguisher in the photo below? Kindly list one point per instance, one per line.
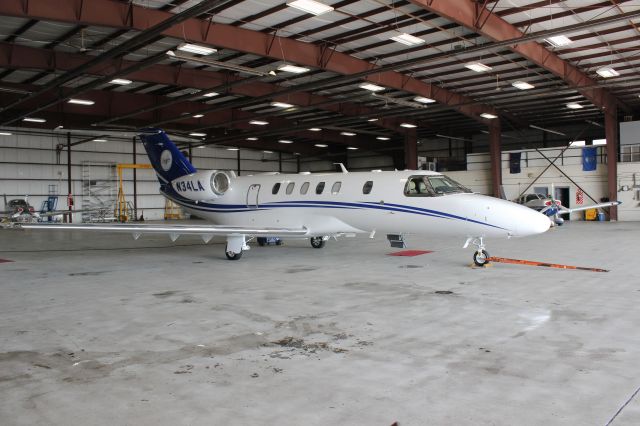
(70, 201)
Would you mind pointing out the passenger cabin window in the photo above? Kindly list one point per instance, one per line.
(431, 186)
(366, 189)
(276, 188)
(304, 188)
(336, 187)
(320, 188)
(290, 187)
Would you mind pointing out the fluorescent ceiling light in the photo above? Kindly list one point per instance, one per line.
(574, 105)
(488, 116)
(259, 122)
(210, 94)
(578, 143)
(383, 138)
(310, 6)
(233, 149)
(5, 134)
(559, 40)
(607, 72)
(268, 152)
(478, 67)
(372, 119)
(99, 140)
(285, 141)
(281, 104)
(372, 87)
(80, 101)
(408, 125)
(408, 39)
(523, 85)
(315, 129)
(121, 81)
(197, 134)
(252, 139)
(347, 133)
(352, 148)
(424, 100)
(196, 49)
(293, 68)
(34, 120)
(198, 116)
(201, 146)
(599, 142)
(321, 145)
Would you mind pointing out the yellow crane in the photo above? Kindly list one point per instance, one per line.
(122, 211)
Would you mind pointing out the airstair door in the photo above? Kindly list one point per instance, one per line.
(252, 196)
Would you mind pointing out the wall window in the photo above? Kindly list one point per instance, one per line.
(366, 189)
(276, 188)
(320, 188)
(290, 187)
(304, 188)
(336, 187)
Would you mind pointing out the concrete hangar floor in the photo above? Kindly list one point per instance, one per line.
(98, 329)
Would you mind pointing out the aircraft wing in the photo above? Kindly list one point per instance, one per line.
(565, 210)
(174, 231)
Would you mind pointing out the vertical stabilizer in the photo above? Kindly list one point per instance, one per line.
(165, 157)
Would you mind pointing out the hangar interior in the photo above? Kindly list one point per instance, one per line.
(507, 97)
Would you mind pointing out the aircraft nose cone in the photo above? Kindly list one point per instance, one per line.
(533, 223)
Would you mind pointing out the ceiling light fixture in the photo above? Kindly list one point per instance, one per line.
(408, 39)
(80, 101)
(372, 119)
(99, 140)
(215, 64)
(310, 6)
(268, 152)
(210, 94)
(523, 85)
(347, 133)
(252, 138)
(382, 138)
(607, 72)
(197, 134)
(424, 100)
(371, 87)
(321, 145)
(559, 40)
(198, 116)
(478, 67)
(284, 141)
(293, 69)
(259, 122)
(574, 105)
(5, 134)
(121, 81)
(201, 146)
(315, 129)
(488, 116)
(233, 149)
(34, 120)
(408, 125)
(352, 148)
(281, 105)
(197, 49)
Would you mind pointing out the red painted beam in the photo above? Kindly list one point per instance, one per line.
(467, 13)
(114, 14)
(22, 57)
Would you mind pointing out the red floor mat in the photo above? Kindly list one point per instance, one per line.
(5, 260)
(410, 253)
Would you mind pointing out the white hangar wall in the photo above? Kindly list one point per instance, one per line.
(29, 163)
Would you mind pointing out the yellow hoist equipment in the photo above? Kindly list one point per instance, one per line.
(123, 210)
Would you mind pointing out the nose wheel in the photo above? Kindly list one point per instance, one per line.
(481, 256)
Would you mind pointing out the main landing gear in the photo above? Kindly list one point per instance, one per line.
(481, 256)
(318, 242)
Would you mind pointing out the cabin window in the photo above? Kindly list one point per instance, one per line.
(320, 188)
(336, 187)
(276, 188)
(304, 188)
(366, 189)
(290, 187)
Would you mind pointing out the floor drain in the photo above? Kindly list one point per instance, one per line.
(444, 292)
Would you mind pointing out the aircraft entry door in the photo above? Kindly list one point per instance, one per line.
(252, 196)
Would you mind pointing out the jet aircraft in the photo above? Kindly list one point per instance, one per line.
(323, 205)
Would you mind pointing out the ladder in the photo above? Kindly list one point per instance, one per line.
(98, 190)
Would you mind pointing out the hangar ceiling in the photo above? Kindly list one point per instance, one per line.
(541, 63)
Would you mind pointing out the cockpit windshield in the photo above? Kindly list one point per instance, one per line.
(432, 186)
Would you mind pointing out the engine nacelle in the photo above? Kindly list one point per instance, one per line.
(203, 185)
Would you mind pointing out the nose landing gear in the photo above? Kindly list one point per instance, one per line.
(481, 256)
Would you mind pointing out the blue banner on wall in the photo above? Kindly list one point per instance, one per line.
(589, 158)
(514, 162)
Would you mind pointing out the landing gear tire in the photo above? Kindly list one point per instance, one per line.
(231, 255)
(317, 242)
(481, 257)
(262, 241)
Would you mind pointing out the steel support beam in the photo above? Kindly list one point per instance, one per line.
(611, 134)
(468, 14)
(120, 15)
(495, 154)
(411, 149)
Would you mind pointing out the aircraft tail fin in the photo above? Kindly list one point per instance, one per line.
(165, 157)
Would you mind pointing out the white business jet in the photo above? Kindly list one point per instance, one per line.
(324, 205)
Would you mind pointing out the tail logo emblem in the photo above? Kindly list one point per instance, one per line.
(165, 160)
